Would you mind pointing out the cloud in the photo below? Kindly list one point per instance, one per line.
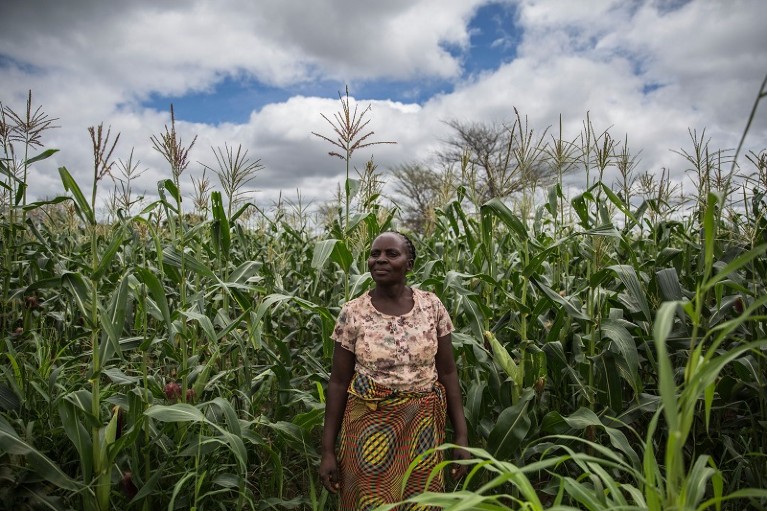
(649, 70)
(172, 48)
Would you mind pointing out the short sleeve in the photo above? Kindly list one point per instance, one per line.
(345, 331)
(444, 324)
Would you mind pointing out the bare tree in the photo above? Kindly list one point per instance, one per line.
(420, 190)
(418, 186)
(498, 160)
(486, 147)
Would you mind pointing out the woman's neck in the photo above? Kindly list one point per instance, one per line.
(394, 301)
(394, 292)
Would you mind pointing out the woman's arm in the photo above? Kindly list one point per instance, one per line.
(448, 377)
(340, 375)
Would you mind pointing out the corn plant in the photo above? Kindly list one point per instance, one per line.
(584, 474)
(611, 353)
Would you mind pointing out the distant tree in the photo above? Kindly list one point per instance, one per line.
(487, 150)
(420, 191)
(497, 160)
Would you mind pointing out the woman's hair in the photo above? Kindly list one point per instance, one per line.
(408, 243)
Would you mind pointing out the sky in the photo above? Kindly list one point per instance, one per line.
(261, 74)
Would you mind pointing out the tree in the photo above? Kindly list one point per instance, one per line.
(422, 190)
(497, 160)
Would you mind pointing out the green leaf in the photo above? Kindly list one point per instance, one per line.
(4, 170)
(608, 380)
(571, 310)
(220, 229)
(619, 203)
(359, 283)
(169, 185)
(734, 265)
(42, 156)
(581, 209)
(180, 484)
(628, 276)
(746, 493)
(696, 482)
(149, 486)
(322, 251)
(237, 447)
(55, 200)
(555, 192)
(583, 494)
(82, 206)
(708, 401)
(351, 187)
(664, 321)
(204, 321)
(8, 399)
(471, 309)
(179, 412)
(474, 402)
(502, 357)
(245, 272)
(625, 346)
(497, 208)
(243, 208)
(668, 284)
(78, 434)
(19, 194)
(109, 253)
(369, 219)
(172, 257)
(156, 291)
(511, 428)
(709, 232)
(232, 421)
(40, 463)
(654, 487)
(556, 357)
(203, 377)
(113, 320)
(268, 302)
(119, 377)
(335, 250)
(110, 431)
(83, 400)
(79, 289)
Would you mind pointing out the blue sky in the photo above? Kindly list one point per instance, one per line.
(493, 39)
(261, 75)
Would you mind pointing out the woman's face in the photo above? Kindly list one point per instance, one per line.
(389, 259)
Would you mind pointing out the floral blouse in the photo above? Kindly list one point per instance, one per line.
(395, 351)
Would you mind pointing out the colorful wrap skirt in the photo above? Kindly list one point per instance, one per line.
(383, 431)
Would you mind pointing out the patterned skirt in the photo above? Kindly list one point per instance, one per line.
(383, 431)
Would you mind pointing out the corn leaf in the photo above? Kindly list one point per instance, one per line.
(42, 465)
(81, 205)
(511, 428)
(179, 412)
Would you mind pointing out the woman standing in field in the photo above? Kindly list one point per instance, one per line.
(392, 384)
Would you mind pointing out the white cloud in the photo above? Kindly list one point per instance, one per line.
(93, 61)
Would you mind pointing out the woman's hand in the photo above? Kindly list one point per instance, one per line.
(457, 471)
(340, 376)
(329, 472)
(448, 376)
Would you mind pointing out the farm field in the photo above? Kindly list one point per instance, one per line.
(611, 343)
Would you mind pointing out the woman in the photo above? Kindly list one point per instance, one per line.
(392, 383)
